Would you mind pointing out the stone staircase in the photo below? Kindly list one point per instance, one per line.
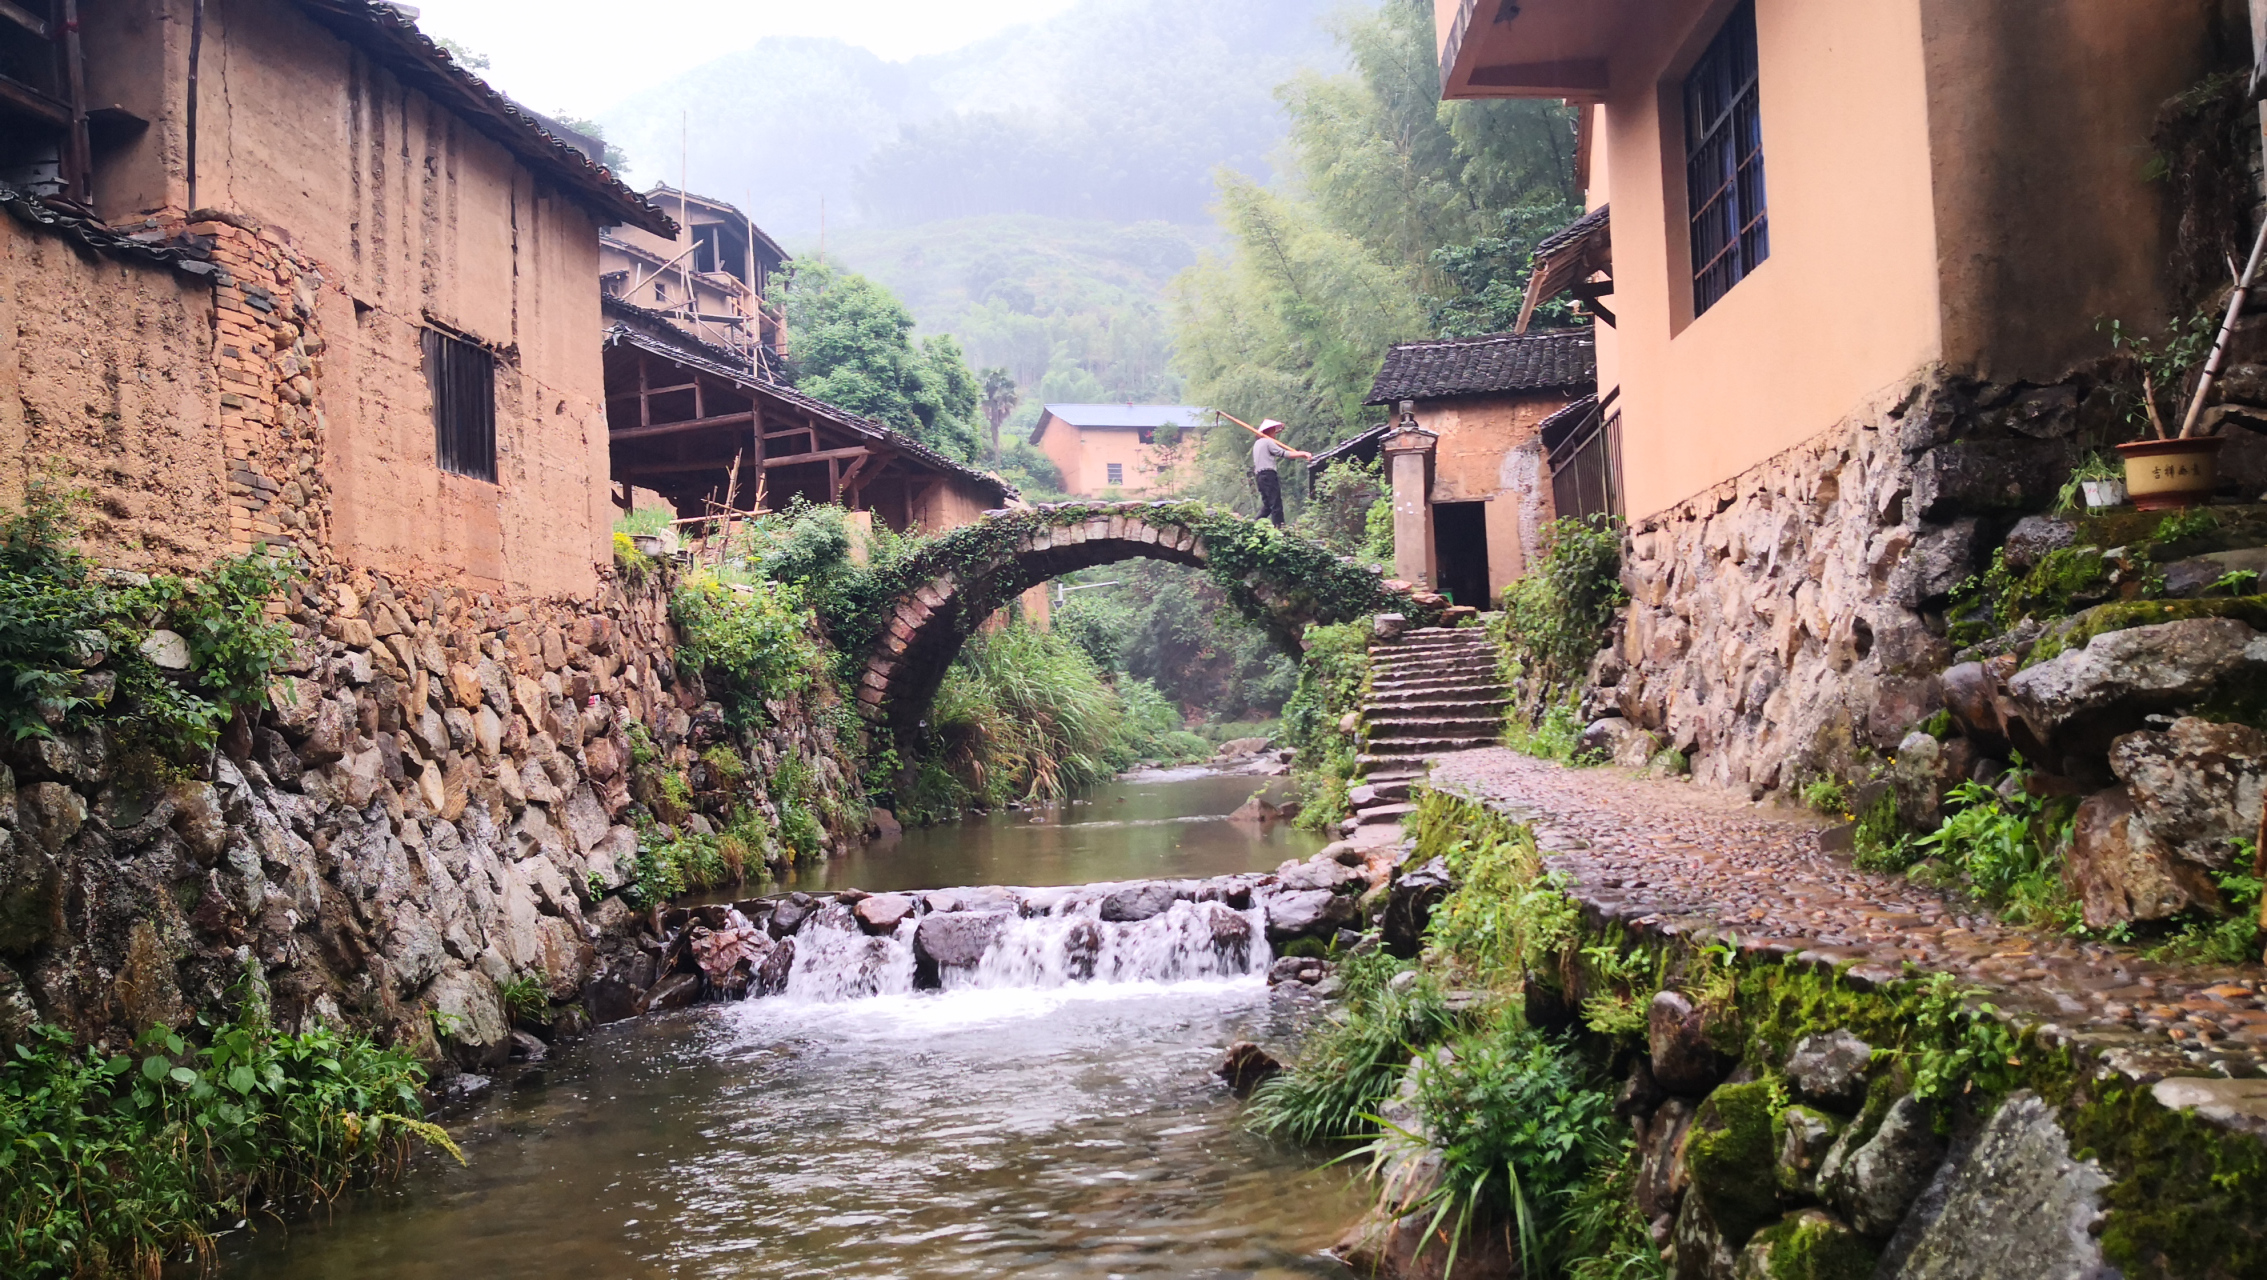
(1432, 690)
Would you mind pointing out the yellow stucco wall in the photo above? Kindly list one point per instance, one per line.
(1084, 455)
(1845, 304)
(1489, 452)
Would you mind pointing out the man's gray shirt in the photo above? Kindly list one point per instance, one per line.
(1265, 452)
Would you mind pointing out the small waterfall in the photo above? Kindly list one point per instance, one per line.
(1064, 941)
(835, 961)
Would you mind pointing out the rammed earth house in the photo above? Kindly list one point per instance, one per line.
(301, 280)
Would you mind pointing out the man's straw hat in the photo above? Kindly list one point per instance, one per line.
(1269, 426)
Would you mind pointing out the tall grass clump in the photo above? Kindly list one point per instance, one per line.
(118, 1164)
(1347, 1068)
(1024, 715)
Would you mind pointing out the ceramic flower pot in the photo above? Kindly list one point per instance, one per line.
(2163, 474)
(2101, 494)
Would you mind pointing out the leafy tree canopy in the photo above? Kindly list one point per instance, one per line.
(853, 347)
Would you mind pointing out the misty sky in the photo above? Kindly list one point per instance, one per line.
(581, 56)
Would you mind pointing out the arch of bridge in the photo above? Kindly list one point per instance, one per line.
(924, 630)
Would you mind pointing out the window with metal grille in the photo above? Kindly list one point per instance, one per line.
(1724, 162)
(1117, 472)
(463, 378)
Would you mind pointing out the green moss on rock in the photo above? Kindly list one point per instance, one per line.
(2075, 632)
(2190, 1197)
(1731, 1159)
(1808, 1245)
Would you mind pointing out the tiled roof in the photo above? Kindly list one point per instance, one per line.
(385, 33)
(673, 344)
(191, 255)
(1497, 364)
(1122, 415)
(1592, 221)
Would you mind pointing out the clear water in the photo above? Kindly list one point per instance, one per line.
(1167, 823)
(1018, 1125)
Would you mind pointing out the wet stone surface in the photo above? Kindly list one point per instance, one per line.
(1674, 859)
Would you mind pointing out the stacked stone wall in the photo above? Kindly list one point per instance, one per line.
(438, 805)
(1789, 623)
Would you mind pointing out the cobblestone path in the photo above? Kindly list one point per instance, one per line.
(1670, 857)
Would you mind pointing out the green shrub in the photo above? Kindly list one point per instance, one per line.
(753, 640)
(116, 1164)
(524, 997)
(59, 615)
(1506, 916)
(2007, 849)
(1025, 715)
(1519, 1121)
(1557, 616)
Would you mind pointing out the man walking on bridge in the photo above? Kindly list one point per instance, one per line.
(1265, 452)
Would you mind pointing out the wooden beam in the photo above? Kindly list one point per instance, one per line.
(655, 391)
(673, 468)
(823, 455)
(678, 428)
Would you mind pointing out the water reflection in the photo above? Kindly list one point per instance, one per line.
(1166, 823)
(1070, 1131)
(1074, 1132)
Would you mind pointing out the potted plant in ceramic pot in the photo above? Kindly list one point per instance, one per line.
(2181, 470)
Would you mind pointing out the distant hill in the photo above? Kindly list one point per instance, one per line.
(1070, 307)
(1117, 110)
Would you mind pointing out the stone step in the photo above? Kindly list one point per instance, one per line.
(1438, 684)
(1378, 815)
(1433, 727)
(1434, 667)
(1435, 702)
(1381, 789)
(1408, 750)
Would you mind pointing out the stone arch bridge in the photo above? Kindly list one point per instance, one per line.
(1280, 580)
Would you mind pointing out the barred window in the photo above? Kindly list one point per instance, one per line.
(1724, 162)
(463, 378)
(1117, 472)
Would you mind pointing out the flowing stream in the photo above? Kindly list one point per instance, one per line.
(1052, 1112)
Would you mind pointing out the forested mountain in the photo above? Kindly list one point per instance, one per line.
(1116, 109)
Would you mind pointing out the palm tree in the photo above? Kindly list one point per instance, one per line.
(1000, 399)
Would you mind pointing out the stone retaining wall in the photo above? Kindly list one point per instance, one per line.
(437, 805)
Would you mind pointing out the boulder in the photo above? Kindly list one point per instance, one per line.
(674, 991)
(2198, 783)
(1137, 902)
(1730, 1158)
(1317, 873)
(1684, 1062)
(1661, 1167)
(1697, 1249)
(1306, 970)
(1830, 1070)
(770, 976)
(1607, 737)
(1972, 694)
(167, 650)
(2081, 699)
(2033, 538)
(952, 940)
(1808, 1244)
(1246, 1066)
(1804, 1136)
(1254, 809)
(1237, 747)
(1872, 1183)
(790, 913)
(2120, 872)
(882, 913)
(1307, 913)
(1388, 627)
(48, 814)
(610, 998)
(1409, 907)
(884, 824)
(2018, 1205)
(2193, 576)
(1981, 476)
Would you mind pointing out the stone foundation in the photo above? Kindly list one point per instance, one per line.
(438, 804)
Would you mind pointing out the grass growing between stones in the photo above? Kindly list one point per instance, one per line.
(2187, 1198)
(114, 1165)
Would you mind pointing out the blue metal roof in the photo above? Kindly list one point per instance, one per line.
(1128, 415)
